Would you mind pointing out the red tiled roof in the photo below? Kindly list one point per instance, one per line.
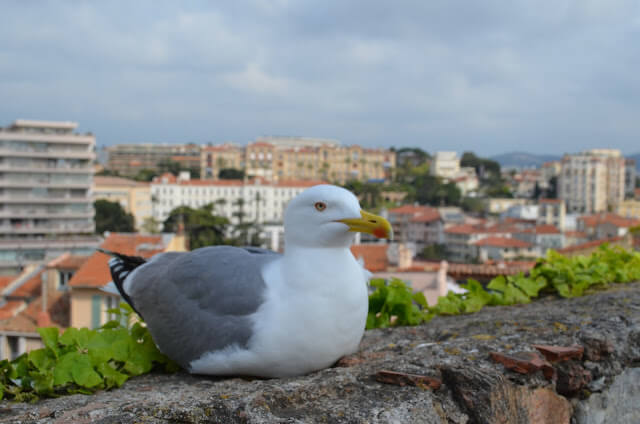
(5, 280)
(68, 261)
(31, 287)
(590, 244)
(501, 242)
(462, 229)
(10, 309)
(575, 234)
(95, 271)
(546, 229)
(374, 256)
(611, 218)
(550, 200)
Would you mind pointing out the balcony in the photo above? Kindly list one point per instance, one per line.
(24, 198)
(46, 154)
(46, 229)
(43, 182)
(24, 213)
(8, 167)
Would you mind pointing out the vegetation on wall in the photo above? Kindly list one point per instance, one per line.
(394, 303)
(83, 360)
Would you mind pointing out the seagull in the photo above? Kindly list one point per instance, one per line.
(223, 310)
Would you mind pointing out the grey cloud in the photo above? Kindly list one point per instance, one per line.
(488, 76)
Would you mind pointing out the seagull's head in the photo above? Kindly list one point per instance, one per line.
(326, 215)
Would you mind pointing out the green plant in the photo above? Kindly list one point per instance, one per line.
(394, 303)
(81, 360)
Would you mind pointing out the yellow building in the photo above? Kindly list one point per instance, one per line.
(133, 196)
(215, 158)
(279, 159)
(629, 209)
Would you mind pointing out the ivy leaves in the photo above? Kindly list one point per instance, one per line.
(82, 360)
(394, 303)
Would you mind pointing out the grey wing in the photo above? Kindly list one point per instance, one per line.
(200, 301)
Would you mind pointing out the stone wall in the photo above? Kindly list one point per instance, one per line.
(479, 368)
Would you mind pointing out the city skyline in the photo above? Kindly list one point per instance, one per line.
(489, 78)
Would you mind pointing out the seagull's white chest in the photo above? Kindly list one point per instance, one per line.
(312, 319)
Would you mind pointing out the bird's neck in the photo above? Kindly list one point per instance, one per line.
(326, 263)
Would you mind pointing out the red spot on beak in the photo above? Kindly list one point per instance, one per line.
(380, 232)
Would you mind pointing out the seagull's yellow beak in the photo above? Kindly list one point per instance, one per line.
(371, 224)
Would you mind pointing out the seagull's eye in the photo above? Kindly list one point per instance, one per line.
(320, 206)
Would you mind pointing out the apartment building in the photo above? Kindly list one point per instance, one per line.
(213, 159)
(257, 200)
(420, 225)
(445, 165)
(592, 181)
(552, 212)
(46, 205)
(133, 196)
(299, 158)
(630, 174)
(129, 159)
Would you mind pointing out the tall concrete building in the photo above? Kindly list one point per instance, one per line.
(45, 192)
(592, 181)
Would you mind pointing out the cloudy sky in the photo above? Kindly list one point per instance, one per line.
(488, 76)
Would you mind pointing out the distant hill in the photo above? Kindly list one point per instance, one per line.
(523, 160)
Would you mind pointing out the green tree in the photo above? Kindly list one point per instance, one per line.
(110, 216)
(231, 174)
(434, 252)
(201, 226)
(168, 165)
(145, 174)
(150, 225)
(370, 194)
(107, 173)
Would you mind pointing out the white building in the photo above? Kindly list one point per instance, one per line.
(445, 165)
(592, 181)
(46, 205)
(256, 200)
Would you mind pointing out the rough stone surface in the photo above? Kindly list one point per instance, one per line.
(455, 350)
(619, 404)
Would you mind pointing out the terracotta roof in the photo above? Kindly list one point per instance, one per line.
(95, 271)
(99, 180)
(26, 318)
(461, 229)
(550, 200)
(30, 288)
(611, 218)
(260, 144)
(11, 309)
(542, 229)
(374, 256)
(418, 213)
(501, 242)
(5, 280)
(576, 234)
(590, 244)
(68, 261)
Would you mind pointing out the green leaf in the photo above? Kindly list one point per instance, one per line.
(62, 372)
(49, 337)
(111, 375)
(83, 373)
(42, 359)
(529, 285)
